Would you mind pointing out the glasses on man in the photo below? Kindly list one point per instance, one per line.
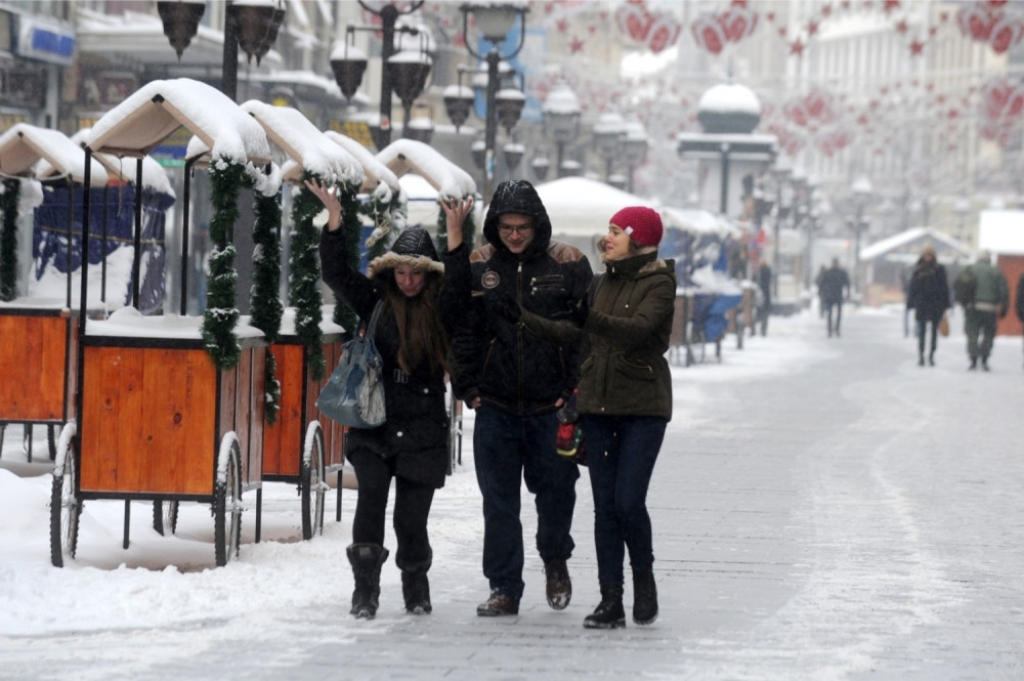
(507, 229)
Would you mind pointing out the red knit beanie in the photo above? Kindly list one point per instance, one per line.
(642, 224)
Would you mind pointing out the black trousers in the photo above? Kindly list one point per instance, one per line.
(924, 325)
(409, 518)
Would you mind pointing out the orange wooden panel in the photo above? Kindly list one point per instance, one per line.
(33, 351)
(255, 470)
(147, 421)
(243, 409)
(71, 408)
(281, 440)
(1012, 266)
(226, 402)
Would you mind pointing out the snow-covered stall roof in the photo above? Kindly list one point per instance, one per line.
(405, 155)
(698, 221)
(1002, 231)
(153, 175)
(916, 238)
(579, 206)
(24, 147)
(157, 109)
(376, 172)
(298, 138)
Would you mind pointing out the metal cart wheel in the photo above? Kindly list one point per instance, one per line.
(227, 501)
(311, 481)
(65, 506)
(165, 517)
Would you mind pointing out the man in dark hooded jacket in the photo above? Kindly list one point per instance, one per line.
(516, 382)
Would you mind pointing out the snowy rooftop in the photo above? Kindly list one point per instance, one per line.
(304, 143)
(404, 155)
(130, 323)
(907, 238)
(157, 109)
(25, 146)
(698, 221)
(376, 172)
(579, 206)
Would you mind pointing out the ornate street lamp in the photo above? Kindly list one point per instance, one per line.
(251, 26)
(409, 72)
(562, 118)
(634, 149)
(494, 21)
(458, 102)
(349, 67)
(609, 135)
(540, 167)
(513, 155)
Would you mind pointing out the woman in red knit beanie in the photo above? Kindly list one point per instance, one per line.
(624, 402)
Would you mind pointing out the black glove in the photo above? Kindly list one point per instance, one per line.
(500, 303)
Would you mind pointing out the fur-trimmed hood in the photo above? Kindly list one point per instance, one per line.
(413, 247)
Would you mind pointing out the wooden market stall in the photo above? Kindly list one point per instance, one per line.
(38, 386)
(170, 407)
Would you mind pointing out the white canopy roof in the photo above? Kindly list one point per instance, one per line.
(405, 155)
(582, 207)
(698, 221)
(1002, 231)
(915, 237)
(298, 138)
(147, 117)
(153, 175)
(376, 172)
(25, 146)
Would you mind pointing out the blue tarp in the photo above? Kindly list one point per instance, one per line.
(113, 206)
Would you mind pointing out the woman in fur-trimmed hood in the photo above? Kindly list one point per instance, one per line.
(411, 447)
(624, 402)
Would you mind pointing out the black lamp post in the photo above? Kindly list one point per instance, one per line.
(609, 135)
(562, 119)
(494, 21)
(780, 175)
(254, 28)
(405, 76)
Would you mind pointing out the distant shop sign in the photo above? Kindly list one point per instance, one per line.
(45, 42)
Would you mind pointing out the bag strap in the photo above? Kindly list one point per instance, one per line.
(372, 326)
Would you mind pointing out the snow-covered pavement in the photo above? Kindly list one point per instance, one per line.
(823, 509)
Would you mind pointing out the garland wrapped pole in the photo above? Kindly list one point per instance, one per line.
(221, 315)
(10, 191)
(265, 301)
(303, 289)
(351, 227)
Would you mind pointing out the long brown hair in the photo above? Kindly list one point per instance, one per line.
(421, 333)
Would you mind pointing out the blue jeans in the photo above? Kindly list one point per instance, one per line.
(508, 449)
(621, 452)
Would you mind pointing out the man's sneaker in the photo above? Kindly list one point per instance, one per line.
(498, 605)
(559, 588)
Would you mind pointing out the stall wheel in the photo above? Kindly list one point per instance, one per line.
(312, 485)
(227, 501)
(165, 517)
(65, 506)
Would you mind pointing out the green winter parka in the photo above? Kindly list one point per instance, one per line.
(625, 336)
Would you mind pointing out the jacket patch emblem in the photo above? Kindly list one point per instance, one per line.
(490, 279)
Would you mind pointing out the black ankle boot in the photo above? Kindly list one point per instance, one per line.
(416, 590)
(645, 597)
(366, 560)
(609, 613)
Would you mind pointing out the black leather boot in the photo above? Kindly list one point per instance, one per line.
(645, 597)
(366, 560)
(609, 613)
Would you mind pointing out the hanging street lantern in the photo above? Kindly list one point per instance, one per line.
(510, 103)
(349, 64)
(257, 26)
(409, 71)
(540, 166)
(458, 102)
(181, 21)
(513, 155)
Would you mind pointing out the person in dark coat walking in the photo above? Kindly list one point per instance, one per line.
(763, 279)
(624, 401)
(516, 382)
(832, 283)
(411, 447)
(928, 296)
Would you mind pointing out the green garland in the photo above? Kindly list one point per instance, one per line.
(265, 300)
(11, 191)
(221, 315)
(468, 230)
(351, 227)
(304, 292)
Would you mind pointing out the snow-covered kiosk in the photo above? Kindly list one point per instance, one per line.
(1001, 233)
(448, 180)
(301, 445)
(39, 370)
(170, 407)
(580, 208)
(885, 261)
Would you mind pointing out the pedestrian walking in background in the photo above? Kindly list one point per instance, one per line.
(763, 279)
(411, 447)
(1020, 298)
(983, 291)
(821, 298)
(928, 296)
(833, 284)
(516, 382)
(624, 402)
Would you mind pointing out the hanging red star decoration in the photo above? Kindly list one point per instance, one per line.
(796, 47)
(562, 25)
(902, 26)
(890, 5)
(826, 10)
(916, 48)
(576, 45)
(812, 27)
